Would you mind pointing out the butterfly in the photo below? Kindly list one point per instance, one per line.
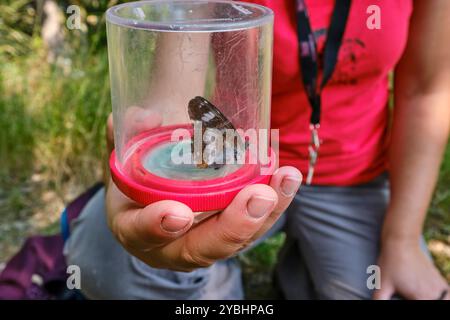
(200, 109)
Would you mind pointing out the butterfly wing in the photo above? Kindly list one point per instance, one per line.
(200, 109)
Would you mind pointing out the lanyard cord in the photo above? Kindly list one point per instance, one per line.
(310, 66)
(308, 51)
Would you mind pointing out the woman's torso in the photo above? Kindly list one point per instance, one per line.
(354, 118)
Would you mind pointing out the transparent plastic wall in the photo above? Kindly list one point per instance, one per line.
(177, 63)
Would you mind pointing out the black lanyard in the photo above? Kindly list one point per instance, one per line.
(310, 65)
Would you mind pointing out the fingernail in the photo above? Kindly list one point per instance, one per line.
(289, 186)
(171, 223)
(259, 206)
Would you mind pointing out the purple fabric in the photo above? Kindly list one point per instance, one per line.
(41, 257)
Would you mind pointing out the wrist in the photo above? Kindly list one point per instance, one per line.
(399, 240)
(399, 248)
(396, 231)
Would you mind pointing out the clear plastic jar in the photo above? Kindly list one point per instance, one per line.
(186, 76)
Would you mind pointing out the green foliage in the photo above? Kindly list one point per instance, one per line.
(17, 22)
(438, 223)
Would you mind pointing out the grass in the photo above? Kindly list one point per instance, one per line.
(51, 143)
(52, 147)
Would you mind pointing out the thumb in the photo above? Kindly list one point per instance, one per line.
(385, 292)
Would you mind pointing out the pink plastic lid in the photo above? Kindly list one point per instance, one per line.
(144, 187)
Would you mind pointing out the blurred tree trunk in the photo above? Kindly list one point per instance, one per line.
(52, 29)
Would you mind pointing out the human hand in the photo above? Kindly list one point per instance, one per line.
(160, 234)
(408, 272)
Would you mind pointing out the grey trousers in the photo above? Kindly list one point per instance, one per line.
(332, 236)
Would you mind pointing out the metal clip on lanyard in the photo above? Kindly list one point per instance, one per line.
(310, 67)
(313, 150)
